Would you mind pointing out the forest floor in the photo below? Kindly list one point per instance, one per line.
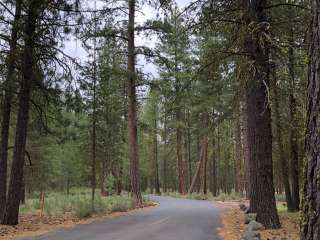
(31, 225)
(234, 227)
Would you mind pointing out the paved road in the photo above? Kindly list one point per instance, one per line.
(174, 219)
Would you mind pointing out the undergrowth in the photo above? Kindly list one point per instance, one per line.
(77, 204)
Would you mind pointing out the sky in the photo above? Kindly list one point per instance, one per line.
(74, 49)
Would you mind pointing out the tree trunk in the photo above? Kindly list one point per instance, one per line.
(199, 180)
(132, 109)
(165, 154)
(103, 178)
(213, 169)
(155, 157)
(6, 107)
(282, 159)
(218, 161)
(238, 155)
(119, 180)
(16, 178)
(262, 197)
(180, 160)
(294, 148)
(203, 174)
(94, 118)
(188, 142)
(23, 191)
(244, 139)
(311, 191)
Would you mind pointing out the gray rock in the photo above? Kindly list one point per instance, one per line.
(242, 207)
(255, 226)
(251, 235)
(250, 217)
(247, 210)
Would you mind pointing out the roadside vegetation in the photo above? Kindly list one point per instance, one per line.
(209, 99)
(76, 204)
(59, 209)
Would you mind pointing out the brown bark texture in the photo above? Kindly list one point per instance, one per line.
(132, 109)
(262, 196)
(279, 133)
(311, 192)
(6, 107)
(28, 65)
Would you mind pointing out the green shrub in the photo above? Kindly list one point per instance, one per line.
(78, 204)
(82, 209)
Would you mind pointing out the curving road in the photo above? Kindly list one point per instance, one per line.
(174, 219)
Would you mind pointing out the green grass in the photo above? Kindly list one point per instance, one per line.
(77, 204)
(283, 212)
(200, 196)
(233, 196)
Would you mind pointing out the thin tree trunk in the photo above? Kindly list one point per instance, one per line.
(199, 180)
(94, 117)
(132, 109)
(103, 178)
(239, 155)
(294, 148)
(218, 161)
(262, 197)
(180, 161)
(278, 131)
(203, 176)
(189, 147)
(311, 190)
(165, 153)
(6, 107)
(155, 156)
(213, 170)
(244, 137)
(119, 180)
(16, 178)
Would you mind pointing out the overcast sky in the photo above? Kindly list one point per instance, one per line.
(74, 49)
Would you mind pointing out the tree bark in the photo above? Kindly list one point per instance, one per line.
(262, 197)
(132, 109)
(180, 160)
(165, 142)
(279, 133)
(311, 191)
(6, 107)
(16, 178)
(203, 173)
(188, 147)
(103, 177)
(199, 180)
(239, 154)
(94, 119)
(294, 148)
(155, 156)
(244, 137)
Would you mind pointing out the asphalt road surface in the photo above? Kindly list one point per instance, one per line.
(174, 219)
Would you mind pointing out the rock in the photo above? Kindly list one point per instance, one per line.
(255, 226)
(251, 235)
(250, 217)
(242, 207)
(247, 210)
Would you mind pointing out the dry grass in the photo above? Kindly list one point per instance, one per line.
(31, 225)
(234, 227)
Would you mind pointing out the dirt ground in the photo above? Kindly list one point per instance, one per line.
(234, 227)
(34, 225)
